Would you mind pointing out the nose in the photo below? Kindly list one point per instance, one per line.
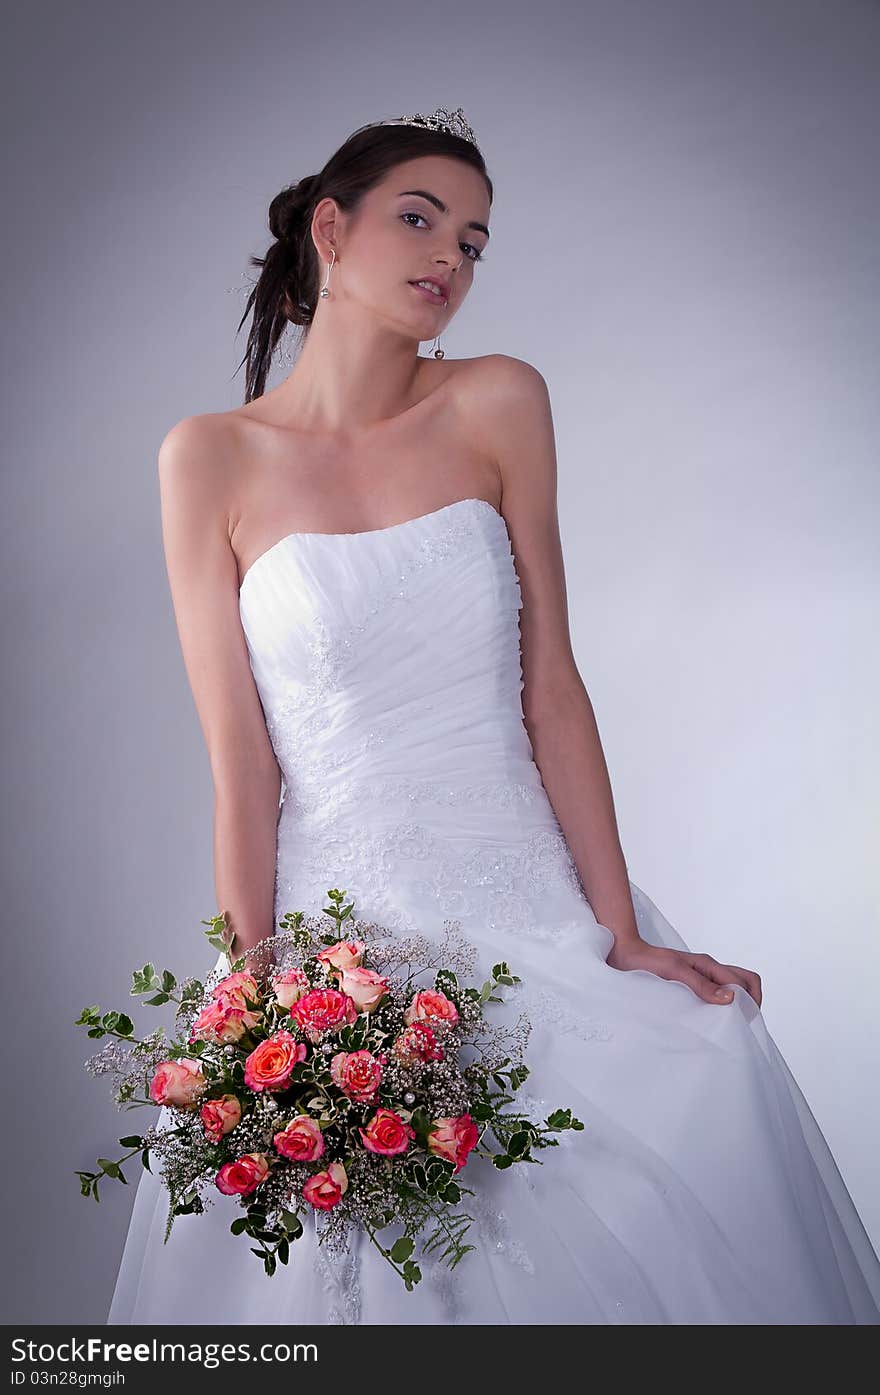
(450, 258)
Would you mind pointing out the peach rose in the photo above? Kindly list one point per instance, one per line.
(270, 1065)
(357, 1074)
(323, 1010)
(387, 1134)
(237, 988)
(325, 1189)
(243, 1176)
(178, 1083)
(365, 988)
(290, 987)
(221, 1021)
(301, 1140)
(417, 1043)
(220, 1116)
(345, 954)
(453, 1139)
(432, 1005)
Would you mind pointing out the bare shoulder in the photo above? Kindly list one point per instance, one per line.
(500, 397)
(492, 379)
(199, 446)
(506, 404)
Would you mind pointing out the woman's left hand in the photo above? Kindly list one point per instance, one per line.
(700, 972)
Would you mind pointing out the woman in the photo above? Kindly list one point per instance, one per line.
(368, 583)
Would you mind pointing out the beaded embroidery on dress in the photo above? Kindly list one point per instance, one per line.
(701, 1189)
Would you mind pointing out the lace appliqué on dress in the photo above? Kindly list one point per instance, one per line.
(499, 887)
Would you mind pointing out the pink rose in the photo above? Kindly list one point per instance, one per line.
(325, 1189)
(417, 1043)
(237, 988)
(387, 1134)
(365, 988)
(221, 1021)
(243, 1176)
(270, 1065)
(453, 1139)
(356, 1074)
(345, 954)
(220, 1116)
(323, 1010)
(432, 1005)
(178, 1083)
(290, 987)
(301, 1140)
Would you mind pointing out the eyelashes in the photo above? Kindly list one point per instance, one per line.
(479, 257)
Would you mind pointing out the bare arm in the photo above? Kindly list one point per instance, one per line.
(515, 411)
(203, 575)
(557, 709)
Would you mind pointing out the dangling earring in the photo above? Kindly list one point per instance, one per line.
(325, 288)
(438, 352)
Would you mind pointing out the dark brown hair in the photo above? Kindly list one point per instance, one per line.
(288, 285)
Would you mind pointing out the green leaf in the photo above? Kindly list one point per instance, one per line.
(158, 1000)
(292, 1223)
(502, 1160)
(402, 1249)
(168, 981)
(131, 1141)
(239, 1225)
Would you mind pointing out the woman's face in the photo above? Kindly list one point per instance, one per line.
(398, 236)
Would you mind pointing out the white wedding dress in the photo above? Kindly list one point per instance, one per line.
(701, 1189)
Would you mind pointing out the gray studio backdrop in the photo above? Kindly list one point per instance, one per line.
(685, 244)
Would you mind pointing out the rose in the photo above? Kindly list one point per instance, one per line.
(178, 1083)
(220, 1116)
(417, 1043)
(430, 1003)
(323, 1010)
(234, 992)
(237, 988)
(289, 988)
(221, 1021)
(345, 954)
(270, 1065)
(453, 1138)
(301, 1140)
(365, 988)
(243, 1176)
(325, 1189)
(387, 1134)
(357, 1074)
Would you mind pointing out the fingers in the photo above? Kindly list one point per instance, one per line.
(728, 973)
(704, 987)
(750, 981)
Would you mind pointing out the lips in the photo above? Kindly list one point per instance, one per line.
(431, 296)
(435, 281)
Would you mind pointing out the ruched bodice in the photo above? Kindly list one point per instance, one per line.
(388, 665)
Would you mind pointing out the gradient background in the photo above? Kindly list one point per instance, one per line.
(685, 243)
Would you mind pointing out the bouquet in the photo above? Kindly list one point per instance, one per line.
(347, 1073)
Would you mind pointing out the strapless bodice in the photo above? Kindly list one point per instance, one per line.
(389, 669)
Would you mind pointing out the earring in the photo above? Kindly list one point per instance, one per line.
(325, 288)
(438, 352)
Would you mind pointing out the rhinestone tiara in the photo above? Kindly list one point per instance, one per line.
(440, 119)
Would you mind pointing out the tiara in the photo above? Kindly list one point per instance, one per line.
(440, 119)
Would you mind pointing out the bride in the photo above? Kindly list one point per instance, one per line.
(368, 584)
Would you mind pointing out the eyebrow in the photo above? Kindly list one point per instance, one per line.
(438, 203)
